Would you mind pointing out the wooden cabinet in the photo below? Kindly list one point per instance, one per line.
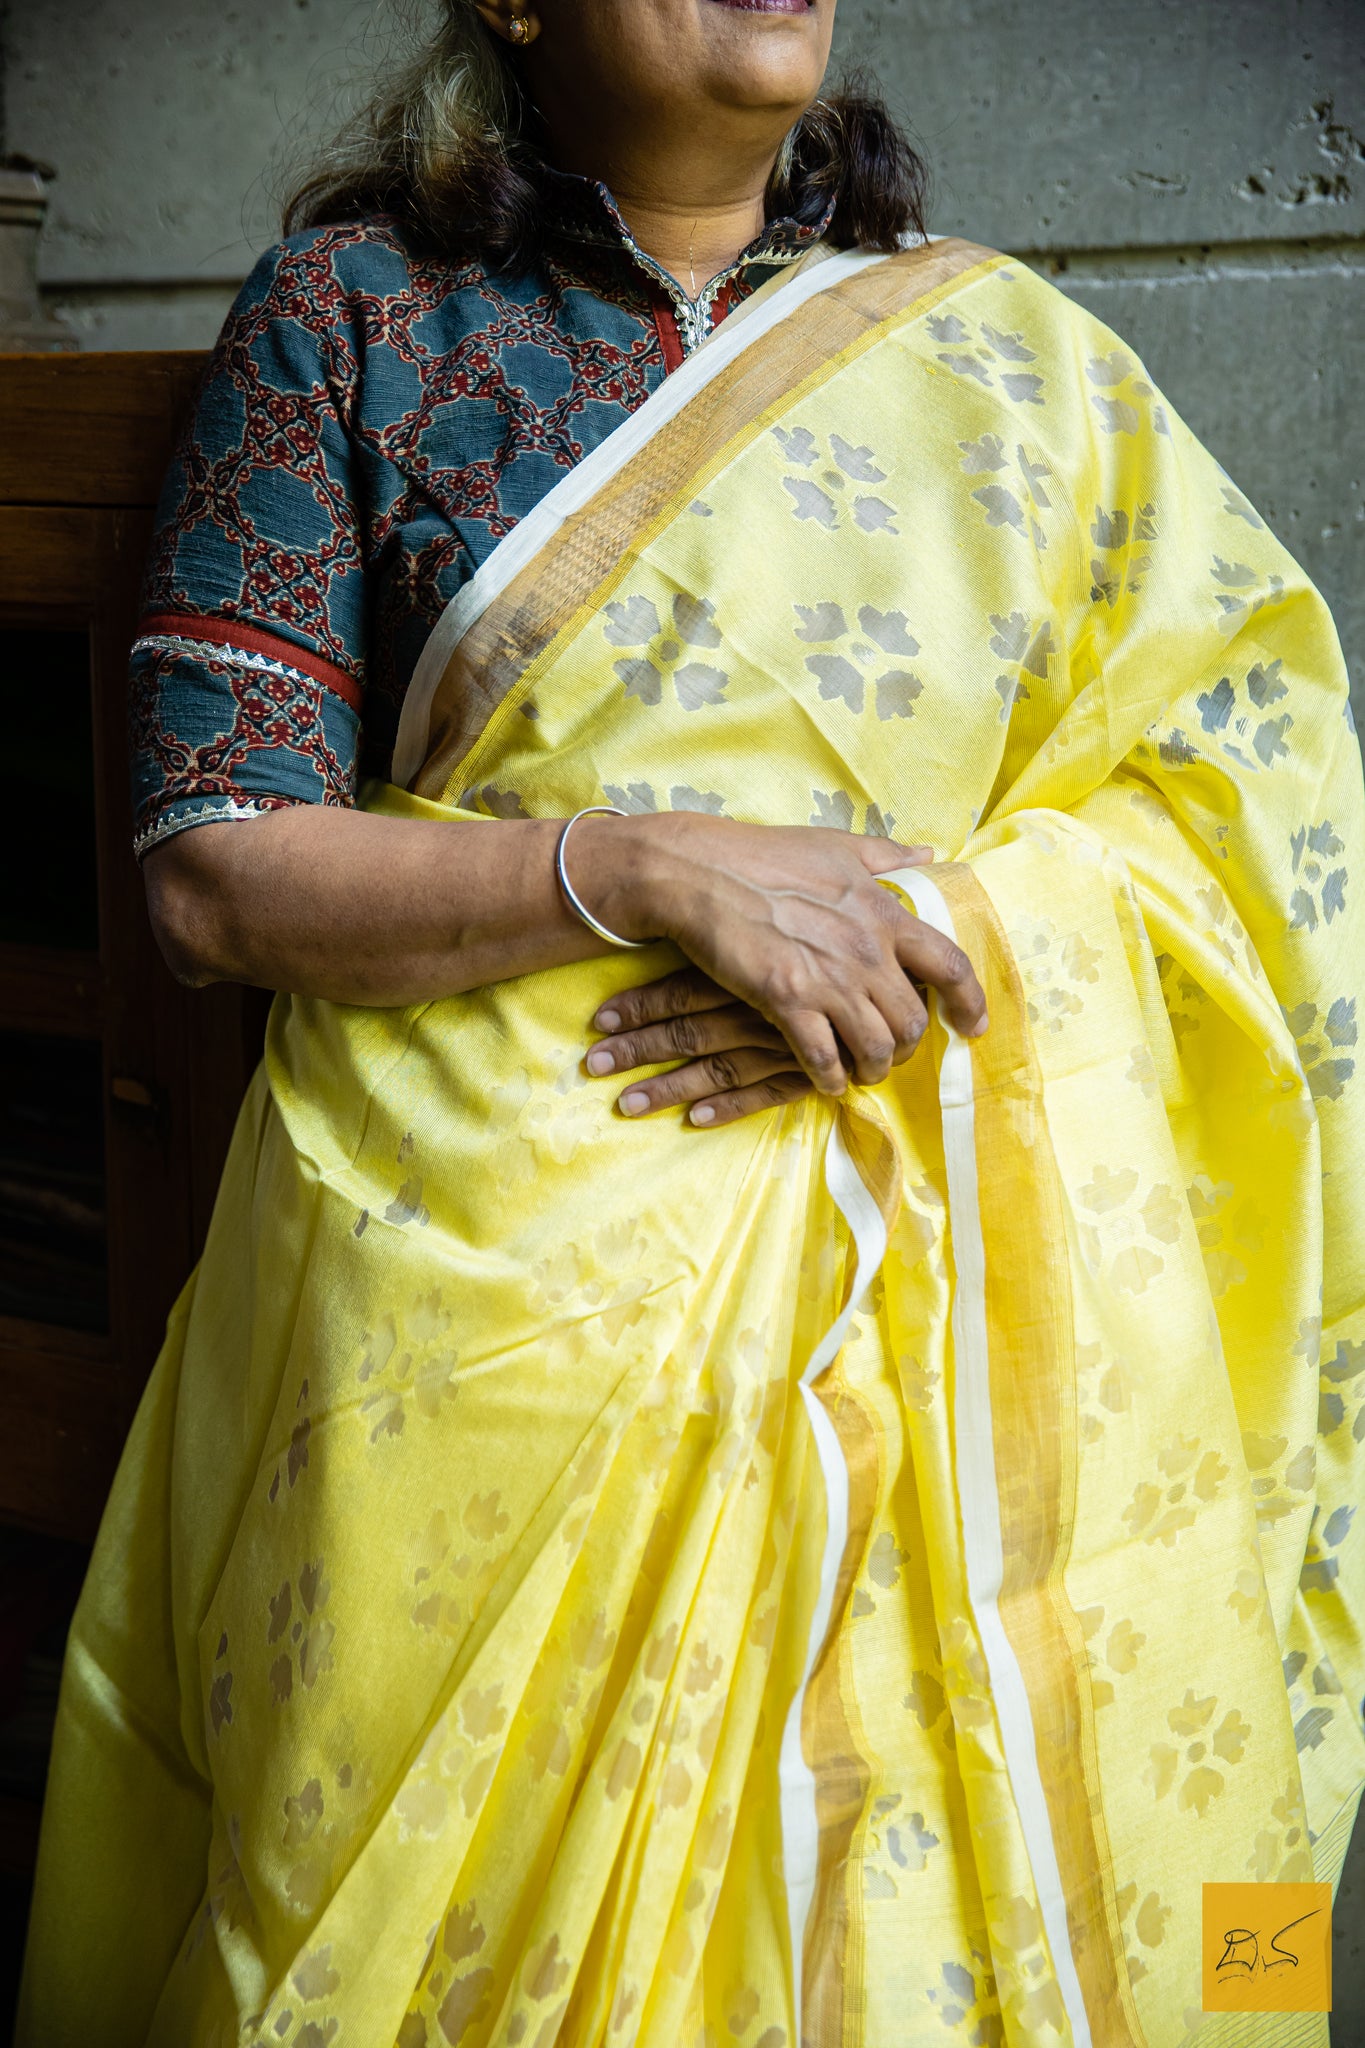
(118, 1089)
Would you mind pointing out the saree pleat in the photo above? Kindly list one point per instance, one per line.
(508, 1616)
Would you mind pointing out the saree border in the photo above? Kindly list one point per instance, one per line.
(1018, 1461)
(493, 660)
(833, 2008)
(751, 320)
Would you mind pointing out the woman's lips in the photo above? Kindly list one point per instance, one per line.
(767, 6)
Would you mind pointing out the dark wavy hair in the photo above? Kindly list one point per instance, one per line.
(450, 147)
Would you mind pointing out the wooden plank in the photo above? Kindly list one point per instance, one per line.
(63, 1420)
(91, 429)
(63, 562)
(44, 989)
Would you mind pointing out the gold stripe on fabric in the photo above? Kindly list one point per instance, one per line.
(833, 1997)
(515, 639)
(1032, 1380)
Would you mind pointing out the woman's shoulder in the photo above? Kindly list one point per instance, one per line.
(334, 275)
(1008, 328)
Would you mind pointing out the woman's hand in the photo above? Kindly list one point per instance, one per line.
(792, 927)
(735, 1062)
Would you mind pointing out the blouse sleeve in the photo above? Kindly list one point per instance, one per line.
(247, 673)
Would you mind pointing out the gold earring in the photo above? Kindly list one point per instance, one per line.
(519, 29)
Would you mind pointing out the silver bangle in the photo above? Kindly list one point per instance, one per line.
(571, 895)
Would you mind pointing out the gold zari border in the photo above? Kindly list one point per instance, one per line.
(1032, 1379)
(517, 637)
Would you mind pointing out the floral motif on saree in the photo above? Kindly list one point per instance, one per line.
(511, 1626)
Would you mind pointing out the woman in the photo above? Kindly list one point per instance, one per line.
(846, 1562)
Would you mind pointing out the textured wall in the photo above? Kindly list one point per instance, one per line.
(1193, 170)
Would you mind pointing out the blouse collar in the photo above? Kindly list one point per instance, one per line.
(584, 211)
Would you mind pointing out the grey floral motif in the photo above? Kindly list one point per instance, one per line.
(1215, 705)
(1027, 648)
(1241, 593)
(658, 655)
(1190, 1476)
(638, 799)
(1118, 372)
(1264, 685)
(843, 666)
(1326, 1065)
(1223, 714)
(1010, 346)
(986, 357)
(967, 366)
(1111, 370)
(966, 1998)
(1001, 507)
(494, 802)
(1327, 1534)
(1175, 750)
(1118, 533)
(1054, 968)
(1342, 1383)
(1240, 507)
(833, 809)
(836, 810)
(1320, 887)
(983, 455)
(1198, 1759)
(1114, 1651)
(1148, 1924)
(824, 495)
(1017, 500)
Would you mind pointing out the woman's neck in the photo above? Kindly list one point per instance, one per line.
(693, 242)
(690, 203)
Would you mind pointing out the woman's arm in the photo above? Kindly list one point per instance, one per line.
(386, 911)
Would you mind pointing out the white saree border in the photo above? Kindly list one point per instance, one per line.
(977, 1492)
(978, 1496)
(580, 484)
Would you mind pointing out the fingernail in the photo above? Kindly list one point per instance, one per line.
(599, 1061)
(634, 1104)
(982, 1028)
(702, 1114)
(607, 1020)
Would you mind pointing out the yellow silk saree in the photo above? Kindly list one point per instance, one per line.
(848, 1578)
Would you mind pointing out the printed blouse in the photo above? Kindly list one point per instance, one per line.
(371, 424)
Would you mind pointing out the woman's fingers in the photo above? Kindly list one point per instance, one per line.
(884, 856)
(928, 957)
(881, 1031)
(684, 1037)
(737, 1102)
(675, 995)
(719, 1074)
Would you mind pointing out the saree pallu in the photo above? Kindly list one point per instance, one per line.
(850, 1577)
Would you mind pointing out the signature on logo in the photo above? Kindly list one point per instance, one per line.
(1242, 1950)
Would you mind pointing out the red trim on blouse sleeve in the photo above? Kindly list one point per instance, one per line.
(666, 327)
(229, 633)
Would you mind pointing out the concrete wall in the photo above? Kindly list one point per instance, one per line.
(1193, 170)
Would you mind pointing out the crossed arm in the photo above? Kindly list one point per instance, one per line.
(803, 968)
